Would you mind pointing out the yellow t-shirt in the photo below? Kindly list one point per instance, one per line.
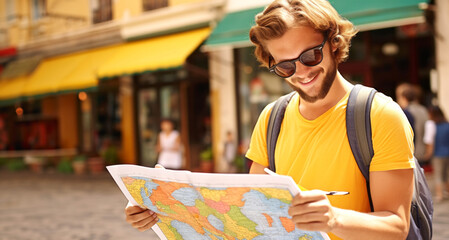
(317, 155)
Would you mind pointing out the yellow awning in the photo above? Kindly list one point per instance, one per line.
(81, 71)
(11, 89)
(153, 54)
(73, 72)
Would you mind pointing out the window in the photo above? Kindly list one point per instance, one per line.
(10, 10)
(154, 4)
(39, 9)
(101, 10)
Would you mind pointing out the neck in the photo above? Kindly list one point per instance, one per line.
(311, 111)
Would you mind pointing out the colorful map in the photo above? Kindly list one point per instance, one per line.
(189, 212)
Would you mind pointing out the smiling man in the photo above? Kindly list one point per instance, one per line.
(303, 41)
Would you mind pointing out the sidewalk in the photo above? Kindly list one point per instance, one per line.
(52, 206)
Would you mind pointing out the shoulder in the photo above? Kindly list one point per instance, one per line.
(392, 135)
(385, 108)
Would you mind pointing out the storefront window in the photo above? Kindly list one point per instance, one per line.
(108, 124)
(156, 103)
(257, 88)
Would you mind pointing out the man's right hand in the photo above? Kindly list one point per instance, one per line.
(141, 219)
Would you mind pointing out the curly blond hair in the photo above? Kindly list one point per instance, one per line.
(281, 15)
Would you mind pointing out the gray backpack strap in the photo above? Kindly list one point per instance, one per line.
(358, 129)
(358, 126)
(274, 126)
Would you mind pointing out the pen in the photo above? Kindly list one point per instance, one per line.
(331, 193)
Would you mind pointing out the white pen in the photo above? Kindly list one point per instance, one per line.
(331, 193)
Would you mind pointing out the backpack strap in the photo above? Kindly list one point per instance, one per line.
(274, 126)
(358, 129)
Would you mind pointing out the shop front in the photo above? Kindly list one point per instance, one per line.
(180, 96)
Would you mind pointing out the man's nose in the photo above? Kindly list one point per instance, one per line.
(302, 71)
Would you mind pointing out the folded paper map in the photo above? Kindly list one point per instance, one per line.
(213, 206)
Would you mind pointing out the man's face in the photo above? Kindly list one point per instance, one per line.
(312, 83)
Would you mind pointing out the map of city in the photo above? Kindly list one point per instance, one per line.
(191, 211)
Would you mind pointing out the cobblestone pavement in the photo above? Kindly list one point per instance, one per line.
(52, 206)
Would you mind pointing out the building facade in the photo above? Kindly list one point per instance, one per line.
(88, 74)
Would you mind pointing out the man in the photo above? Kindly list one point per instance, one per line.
(304, 41)
(407, 98)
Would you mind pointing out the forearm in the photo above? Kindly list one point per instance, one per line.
(376, 225)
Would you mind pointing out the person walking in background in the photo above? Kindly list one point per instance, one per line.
(229, 152)
(408, 98)
(436, 139)
(403, 94)
(169, 146)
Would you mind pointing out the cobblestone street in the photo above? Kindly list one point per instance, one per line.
(52, 206)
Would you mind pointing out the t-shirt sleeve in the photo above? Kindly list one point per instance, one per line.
(430, 130)
(392, 137)
(257, 151)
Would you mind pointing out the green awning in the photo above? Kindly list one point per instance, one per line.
(233, 29)
(370, 15)
(20, 68)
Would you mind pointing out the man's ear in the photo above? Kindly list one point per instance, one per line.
(334, 43)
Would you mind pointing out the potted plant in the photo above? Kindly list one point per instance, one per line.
(36, 164)
(79, 164)
(95, 164)
(110, 155)
(65, 166)
(15, 164)
(206, 160)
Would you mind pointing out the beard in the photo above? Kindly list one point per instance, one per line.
(328, 80)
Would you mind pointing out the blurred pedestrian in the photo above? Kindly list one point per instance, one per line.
(169, 146)
(404, 94)
(409, 99)
(229, 152)
(437, 140)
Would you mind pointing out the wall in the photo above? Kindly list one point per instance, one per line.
(75, 8)
(125, 9)
(128, 148)
(238, 5)
(223, 101)
(442, 48)
(68, 120)
(179, 2)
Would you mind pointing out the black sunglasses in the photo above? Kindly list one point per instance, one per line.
(310, 57)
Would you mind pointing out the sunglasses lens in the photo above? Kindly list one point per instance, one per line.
(311, 57)
(285, 69)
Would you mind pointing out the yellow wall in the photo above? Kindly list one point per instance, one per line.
(128, 151)
(179, 2)
(125, 8)
(2, 11)
(77, 8)
(68, 120)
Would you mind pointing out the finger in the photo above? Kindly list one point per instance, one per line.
(307, 208)
(149, 225)
(308, 196)
(145, 221)
(311, 218)
(312, 226)
(139, 217)
(159, 166)
(134, 210)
